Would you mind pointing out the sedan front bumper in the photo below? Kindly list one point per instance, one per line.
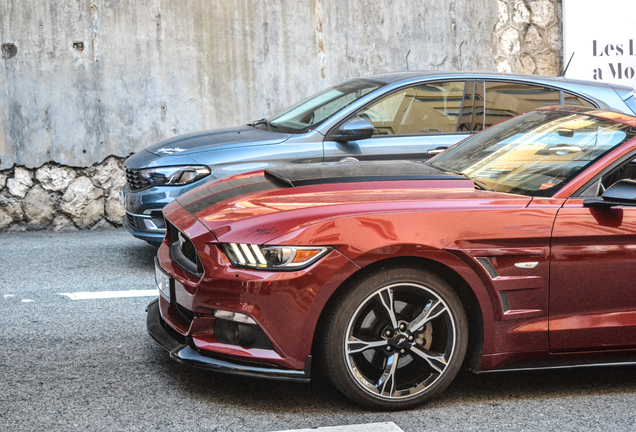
(181, 351)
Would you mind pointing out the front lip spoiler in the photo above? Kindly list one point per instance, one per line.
(183, 353)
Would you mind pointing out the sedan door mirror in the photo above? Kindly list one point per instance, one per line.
(623, 192)
(354, 129)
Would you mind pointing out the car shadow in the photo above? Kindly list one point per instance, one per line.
(492, 388)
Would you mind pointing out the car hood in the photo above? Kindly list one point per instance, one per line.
(196, 142)
(259, 206)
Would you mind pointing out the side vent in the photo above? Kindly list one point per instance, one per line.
(503, 296)
(485, 263)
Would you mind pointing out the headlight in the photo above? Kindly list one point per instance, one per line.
(273, 257)
(175, 176)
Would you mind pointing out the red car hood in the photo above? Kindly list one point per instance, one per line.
(259, 206)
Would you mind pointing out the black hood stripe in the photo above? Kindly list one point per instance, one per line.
(370, 178)
(227, 194)
(330, 173)
(220, 186)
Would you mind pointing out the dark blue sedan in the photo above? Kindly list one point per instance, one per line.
(409, 115)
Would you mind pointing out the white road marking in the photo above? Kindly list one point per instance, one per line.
(370, 427)
(26, 300)
(8, 295)
(111, 294)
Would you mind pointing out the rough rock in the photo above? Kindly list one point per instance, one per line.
(533, 40)
(11, 206)
(109, 173)
(520, 13)
(114, 210)
(62, 223)
(39, 208)
(502, 15)
(509, 41)
(504, 66)
(548, 64)
(5, 219)
(83, 202)
(555, 38)
(20, 183)
(525, 65)
(55, 178)
(3, 180)
(543, 13)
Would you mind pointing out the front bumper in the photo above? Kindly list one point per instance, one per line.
(144, 219)
(181, 351)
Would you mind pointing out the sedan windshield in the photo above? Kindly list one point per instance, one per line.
(314, 110)
(536, 153)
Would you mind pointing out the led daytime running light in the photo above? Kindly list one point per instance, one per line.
(267, 257)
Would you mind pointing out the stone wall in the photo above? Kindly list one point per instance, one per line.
(60, 198)
(527, 38)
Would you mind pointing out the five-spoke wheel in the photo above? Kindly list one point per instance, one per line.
(396, 339)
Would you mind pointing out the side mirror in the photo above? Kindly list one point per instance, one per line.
(623, 192)
(354, 129)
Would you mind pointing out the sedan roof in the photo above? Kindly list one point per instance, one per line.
(393, 77)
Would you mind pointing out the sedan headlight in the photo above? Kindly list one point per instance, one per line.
(278, 258)
(176, 175)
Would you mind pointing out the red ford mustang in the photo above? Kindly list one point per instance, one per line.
(515, 249)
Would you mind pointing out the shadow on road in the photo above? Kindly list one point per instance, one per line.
(283, 398)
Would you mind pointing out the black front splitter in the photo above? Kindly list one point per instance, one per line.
(182, 352)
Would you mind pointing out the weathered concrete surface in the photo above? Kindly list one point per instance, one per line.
(154, 68)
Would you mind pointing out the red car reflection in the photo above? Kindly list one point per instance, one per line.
(512, 250)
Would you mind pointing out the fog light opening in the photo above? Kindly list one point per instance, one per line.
(238, 329)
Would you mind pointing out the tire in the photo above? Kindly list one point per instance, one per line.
(395, 339)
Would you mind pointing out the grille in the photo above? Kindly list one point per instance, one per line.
(503, 296)
(187, 248)
(183, 252)
(135, 181)
(133, 222)
(485, 263)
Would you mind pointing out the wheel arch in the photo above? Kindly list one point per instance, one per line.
(463, 289)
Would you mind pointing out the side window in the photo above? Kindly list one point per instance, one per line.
(427, 108)
(505, 100)
(570, 99)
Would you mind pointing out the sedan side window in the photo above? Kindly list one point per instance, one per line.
(570, 99)
(506, 100)
(427, 108)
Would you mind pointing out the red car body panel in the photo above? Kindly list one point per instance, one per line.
(555, 309)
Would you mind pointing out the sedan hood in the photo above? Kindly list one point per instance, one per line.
(260, 206)
(240, 136)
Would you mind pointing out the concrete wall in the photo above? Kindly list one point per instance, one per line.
(150, 69)
(154, 68)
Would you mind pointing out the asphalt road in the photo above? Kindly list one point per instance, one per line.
(69, 365)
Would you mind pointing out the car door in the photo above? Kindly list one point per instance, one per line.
(412, 123)
(592, 298)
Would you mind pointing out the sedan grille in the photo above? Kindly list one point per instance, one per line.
(136, 181)
(132, 221)
(183, 252)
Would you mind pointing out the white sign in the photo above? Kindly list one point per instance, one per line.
(602, 37)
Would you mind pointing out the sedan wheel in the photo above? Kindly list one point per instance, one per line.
(396, 339)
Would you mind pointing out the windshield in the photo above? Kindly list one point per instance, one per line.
(536, 153)
(307, 114)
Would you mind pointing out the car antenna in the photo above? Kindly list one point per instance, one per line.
(567, 66)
